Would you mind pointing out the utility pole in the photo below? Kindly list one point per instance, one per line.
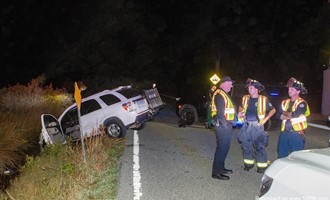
(217, 62)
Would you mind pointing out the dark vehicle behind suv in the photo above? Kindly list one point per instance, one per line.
(275, 93)
(193, 108)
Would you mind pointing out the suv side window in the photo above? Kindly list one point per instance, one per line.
(109, 99)
(89, 106)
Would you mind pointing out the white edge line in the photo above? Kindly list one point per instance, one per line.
(137, 186)
(319, 126)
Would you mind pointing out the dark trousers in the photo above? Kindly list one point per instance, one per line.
(223, 139)
(253, 140)
(209, 116)
(288, 142)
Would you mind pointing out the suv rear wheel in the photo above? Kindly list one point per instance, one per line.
(115, 128)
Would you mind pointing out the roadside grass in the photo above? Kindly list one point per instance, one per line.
(59, 172)
(20, 110)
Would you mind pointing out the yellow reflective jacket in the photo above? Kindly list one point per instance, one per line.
(261, 107)
(229, 107)
(298, 123)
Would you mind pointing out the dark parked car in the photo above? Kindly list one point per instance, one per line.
(193, 108)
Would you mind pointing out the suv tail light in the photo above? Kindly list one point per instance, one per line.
(128, 106)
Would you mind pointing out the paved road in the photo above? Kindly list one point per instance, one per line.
(164, 161)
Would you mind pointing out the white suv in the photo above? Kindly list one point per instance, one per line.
(116, 110)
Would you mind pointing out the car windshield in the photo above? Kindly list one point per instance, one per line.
(129, 92)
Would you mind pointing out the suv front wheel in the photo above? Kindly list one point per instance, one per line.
(115, 128)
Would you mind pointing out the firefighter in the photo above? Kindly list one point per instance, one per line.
(208, 123)
(255, 110)
(294, 122)
(223, 115)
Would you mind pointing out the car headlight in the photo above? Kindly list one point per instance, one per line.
(266, 183)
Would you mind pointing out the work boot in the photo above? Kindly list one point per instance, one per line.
(220, 176)
(247, 167)
(261, 170)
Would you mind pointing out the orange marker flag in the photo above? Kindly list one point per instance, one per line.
(77, 95)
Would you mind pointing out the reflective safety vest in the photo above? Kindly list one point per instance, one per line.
(261, 107)
(298, 123)
(229, 107)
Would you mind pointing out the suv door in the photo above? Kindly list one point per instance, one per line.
(70, 123)
(90, 110)
(51, 132)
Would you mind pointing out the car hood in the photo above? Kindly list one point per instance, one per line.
(318, 158)
(302, 173)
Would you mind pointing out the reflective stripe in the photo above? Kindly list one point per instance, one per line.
(298, 123)
(245, 99)
(297, 120)
(283, 125)
(285, 104)
(230, 110)
(262, 165)
(261, 116)
(261, 107)
(249, 162)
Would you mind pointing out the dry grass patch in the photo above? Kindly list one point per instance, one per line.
(20, 110)
(61, 173)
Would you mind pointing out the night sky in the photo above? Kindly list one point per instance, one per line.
(174, 43)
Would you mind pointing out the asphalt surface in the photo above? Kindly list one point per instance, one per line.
(164, 161)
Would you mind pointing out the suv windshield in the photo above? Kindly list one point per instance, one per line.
(129, 92)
